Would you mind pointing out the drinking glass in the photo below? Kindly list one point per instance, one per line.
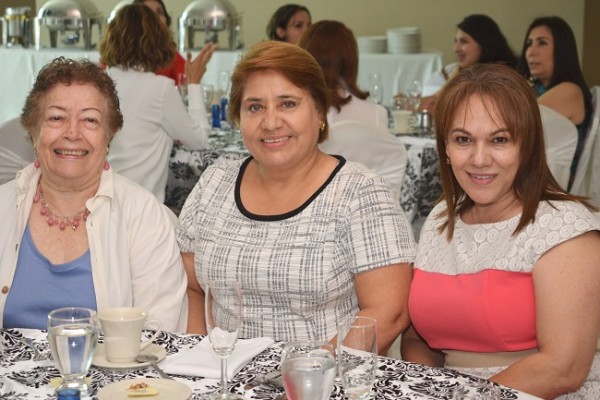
(72, 334)
(208, 92)
(223, 314)
(414, 93)
(308, 370)
(224, 82)
(375, 88)
(357, 355)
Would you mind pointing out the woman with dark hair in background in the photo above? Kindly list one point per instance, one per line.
(288, 23)
(558, 85)
(478, 39)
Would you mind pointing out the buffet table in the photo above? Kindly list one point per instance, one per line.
(420, 190)
(23, 378)
(20, 67)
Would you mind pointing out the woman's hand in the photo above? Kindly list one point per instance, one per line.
(195, 69)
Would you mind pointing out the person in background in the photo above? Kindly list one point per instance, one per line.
(176, 70)
(155, 114)
(506, 278)
(288, 23)
(549, 60)
(334, 47)
(74, 232)
(478, 39)
(310, 237)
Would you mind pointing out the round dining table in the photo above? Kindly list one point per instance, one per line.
(23, 378)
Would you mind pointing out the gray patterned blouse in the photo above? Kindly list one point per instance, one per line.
(296, 269)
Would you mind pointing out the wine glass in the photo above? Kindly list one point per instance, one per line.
(308, 369)
(223, 314)
(182, 87)
(72, 334)
(208, 92)
(224, 83)
(414, 93)
(357, 355)
(375, 88)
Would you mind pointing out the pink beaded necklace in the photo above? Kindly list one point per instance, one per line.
(60, 220)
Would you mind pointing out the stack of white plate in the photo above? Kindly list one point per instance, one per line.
(405, 40)
(372, 44)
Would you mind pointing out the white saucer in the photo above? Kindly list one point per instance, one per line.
(100, 360)
(167, 389)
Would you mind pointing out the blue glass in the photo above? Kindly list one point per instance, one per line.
(68, 394)
(216, 116)
(224, 109)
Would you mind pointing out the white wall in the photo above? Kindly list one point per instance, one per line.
(437, 19)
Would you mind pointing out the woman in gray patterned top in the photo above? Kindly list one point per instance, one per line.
(310, 237)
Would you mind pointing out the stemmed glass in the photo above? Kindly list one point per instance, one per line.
(224, 83)
(208, 92)
(357, 355)
(223, 314)
(414, 93)
(72, 334)
(375, 88)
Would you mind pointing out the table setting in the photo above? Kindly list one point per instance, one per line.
(23, 378)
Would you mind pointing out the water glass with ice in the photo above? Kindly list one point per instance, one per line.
(357, 355)
(72, 334)
(308, 370)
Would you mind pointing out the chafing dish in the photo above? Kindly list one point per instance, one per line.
(210, 18)
(16, 27)
(72, 19)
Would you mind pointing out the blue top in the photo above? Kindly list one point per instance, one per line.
(40, 287)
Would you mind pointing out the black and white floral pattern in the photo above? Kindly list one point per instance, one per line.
(23, 378)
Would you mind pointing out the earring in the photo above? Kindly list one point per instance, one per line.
(106, 164)
(36, 162)
(322, 127)
(447, 161)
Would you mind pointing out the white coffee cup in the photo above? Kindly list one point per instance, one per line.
(122, 328)
(404, 121)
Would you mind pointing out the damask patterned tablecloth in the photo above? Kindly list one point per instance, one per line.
(23, 378)
(420, 189)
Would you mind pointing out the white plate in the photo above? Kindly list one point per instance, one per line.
(167, 390)
(100, 360)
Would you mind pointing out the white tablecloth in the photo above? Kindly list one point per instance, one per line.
(19, 67)
(397, 70)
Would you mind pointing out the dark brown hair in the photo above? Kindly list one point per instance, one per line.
(500, 88)
(334, 47)
(281, 18)
(137, 39)
(64, 71)
(293, 63)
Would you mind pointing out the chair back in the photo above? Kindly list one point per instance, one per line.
(16, 151)
(587, 177)
(363, 143)
(560, 136)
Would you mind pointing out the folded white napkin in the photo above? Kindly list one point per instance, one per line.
(201, 360)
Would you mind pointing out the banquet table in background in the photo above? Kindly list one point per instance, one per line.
(20, 67)
(398, 71)
(23, 378)
(420, 189)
